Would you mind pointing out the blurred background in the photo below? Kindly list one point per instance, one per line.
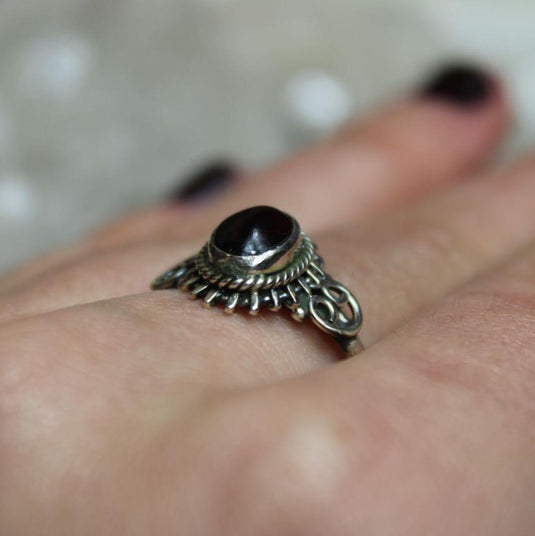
(106, 105)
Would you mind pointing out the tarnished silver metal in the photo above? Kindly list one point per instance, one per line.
(289, 275)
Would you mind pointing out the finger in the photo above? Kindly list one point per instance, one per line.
(394, 265)
(97, 276)
(441, 134)
(447, 130)
(482, 336)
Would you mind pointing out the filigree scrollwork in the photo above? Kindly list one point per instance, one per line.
(335, 310)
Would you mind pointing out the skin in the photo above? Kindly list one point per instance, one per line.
(131, 412)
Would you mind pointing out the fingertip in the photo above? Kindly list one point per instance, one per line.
(470, 108)
(447, 128)
(461, 85)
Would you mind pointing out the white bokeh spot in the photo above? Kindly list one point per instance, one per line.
(17, 199)
(317, 100)
(56, 67)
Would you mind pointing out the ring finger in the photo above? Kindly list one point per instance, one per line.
(395, 265)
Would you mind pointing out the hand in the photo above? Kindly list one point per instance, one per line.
(131, 412)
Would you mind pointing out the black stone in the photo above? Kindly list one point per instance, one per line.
(253, 231)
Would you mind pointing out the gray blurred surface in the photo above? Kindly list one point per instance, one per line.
(104, 104)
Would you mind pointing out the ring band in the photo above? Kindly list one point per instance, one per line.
(258, 258)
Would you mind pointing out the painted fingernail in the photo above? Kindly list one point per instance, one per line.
(206, 182)
(459, 84)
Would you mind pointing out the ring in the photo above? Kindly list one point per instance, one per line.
(260, 258)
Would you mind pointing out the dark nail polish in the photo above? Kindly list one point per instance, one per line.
(461, 85)
(206, 182)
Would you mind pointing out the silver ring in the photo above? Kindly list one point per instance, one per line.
(260, 258)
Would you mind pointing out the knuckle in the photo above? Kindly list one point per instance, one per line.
(304, 472)
(286, 474)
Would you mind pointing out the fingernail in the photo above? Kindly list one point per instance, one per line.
(459, 84)
(206, 182)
